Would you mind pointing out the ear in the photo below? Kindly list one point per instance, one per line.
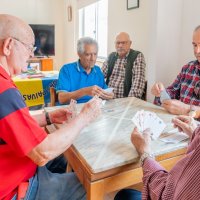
(7, 46)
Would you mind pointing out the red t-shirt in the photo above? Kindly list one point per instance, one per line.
(19, 134)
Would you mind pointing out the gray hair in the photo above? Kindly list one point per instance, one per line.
(85, 41)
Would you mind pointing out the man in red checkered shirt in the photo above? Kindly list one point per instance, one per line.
(185, 90)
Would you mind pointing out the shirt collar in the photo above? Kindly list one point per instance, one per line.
(81, 69)
(124, 57)
(4, 73)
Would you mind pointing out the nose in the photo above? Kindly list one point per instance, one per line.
(198, 49)
(31, 54)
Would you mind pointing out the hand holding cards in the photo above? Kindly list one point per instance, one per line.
(72, 108)
(149, 120)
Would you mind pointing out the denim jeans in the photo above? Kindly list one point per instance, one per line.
(128, 194)
(51, 183)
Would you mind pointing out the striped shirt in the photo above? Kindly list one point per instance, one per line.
(186, 87)
(118, 75)
(181, 182)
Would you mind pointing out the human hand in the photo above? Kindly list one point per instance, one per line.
(60, 115)
(176, 107)
(91, 110)
(106, 95)
(93, 90)
(141, 141)
(185, 123)
(157, 88)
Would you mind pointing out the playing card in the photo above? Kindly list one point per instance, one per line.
(164, 95)
(148, 120)
(109, 90)
(72, 108)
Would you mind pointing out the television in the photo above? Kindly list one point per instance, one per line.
(44, 39)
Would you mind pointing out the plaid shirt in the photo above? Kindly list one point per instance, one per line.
(118, 75)
(186, 87)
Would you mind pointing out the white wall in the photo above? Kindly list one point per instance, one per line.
(40, 12)
(135, 22)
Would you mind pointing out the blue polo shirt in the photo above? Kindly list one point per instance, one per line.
(73, 77)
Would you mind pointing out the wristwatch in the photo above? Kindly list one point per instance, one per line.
(144, 156)
(47, 118)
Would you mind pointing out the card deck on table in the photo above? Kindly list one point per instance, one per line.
(149, 120)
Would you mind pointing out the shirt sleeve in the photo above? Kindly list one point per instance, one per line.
(105, 68)
(174, 89)
(154, 179)
(138, 77)
(63, 84)
(17, 128)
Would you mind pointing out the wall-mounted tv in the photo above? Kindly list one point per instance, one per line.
(44, 39)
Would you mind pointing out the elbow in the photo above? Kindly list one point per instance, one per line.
(62, 99)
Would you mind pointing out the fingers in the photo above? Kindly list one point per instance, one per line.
(156, 89)
(106, 95)
(180, 124)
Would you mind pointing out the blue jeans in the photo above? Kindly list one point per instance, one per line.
(128, 194)
(51, 183)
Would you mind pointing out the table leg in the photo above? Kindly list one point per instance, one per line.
(95, 190)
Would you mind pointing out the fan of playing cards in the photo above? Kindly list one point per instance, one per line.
(148, 120)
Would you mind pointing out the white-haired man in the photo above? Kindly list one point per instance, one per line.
(25, 148)
(82, 79)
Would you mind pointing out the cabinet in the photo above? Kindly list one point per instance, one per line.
(42, 64)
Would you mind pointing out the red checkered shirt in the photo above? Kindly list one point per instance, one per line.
(186, 87)
(118, 75)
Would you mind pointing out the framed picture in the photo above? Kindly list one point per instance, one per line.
(131, 4)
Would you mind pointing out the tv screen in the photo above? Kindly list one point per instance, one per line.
(44, 39)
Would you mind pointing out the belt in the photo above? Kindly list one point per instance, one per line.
(22, 188)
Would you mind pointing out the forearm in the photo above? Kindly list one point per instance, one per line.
(40, 119)
(58, 142)
(154, 179)
(65, 97)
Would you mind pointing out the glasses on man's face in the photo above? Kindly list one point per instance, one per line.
(197, 89)
(29, 47)
(121, 42)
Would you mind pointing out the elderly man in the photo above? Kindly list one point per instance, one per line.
(181, 182)
(185, 90)
(25, 148)
(82, 79)
(124, 69)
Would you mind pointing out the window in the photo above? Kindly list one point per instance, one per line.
(93, 23)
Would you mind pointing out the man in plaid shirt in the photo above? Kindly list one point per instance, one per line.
(118, 76)
(185, 90)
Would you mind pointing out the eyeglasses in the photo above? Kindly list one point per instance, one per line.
(197, 89)
(121, 42)
(29, 47)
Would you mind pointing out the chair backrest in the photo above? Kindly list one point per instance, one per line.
(144, 95)
(53, 96)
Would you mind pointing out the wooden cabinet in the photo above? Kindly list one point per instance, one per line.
(43, 64)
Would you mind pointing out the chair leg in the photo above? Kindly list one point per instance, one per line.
(69, 168)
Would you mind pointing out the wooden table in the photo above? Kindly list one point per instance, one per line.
(103, 157)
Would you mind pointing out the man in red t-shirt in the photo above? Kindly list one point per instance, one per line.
(25, 148)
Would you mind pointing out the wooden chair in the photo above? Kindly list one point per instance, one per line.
(144, 95)
(53, 96)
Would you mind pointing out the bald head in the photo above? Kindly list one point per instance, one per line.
(122, 44)
(11, 26)
(123, 36)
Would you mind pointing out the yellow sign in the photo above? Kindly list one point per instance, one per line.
(32, 92)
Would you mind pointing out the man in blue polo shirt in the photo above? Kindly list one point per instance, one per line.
(82, 79)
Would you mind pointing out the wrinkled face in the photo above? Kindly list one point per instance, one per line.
(196, 44)
(122, 45)
(89, 57)
(17, 52)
